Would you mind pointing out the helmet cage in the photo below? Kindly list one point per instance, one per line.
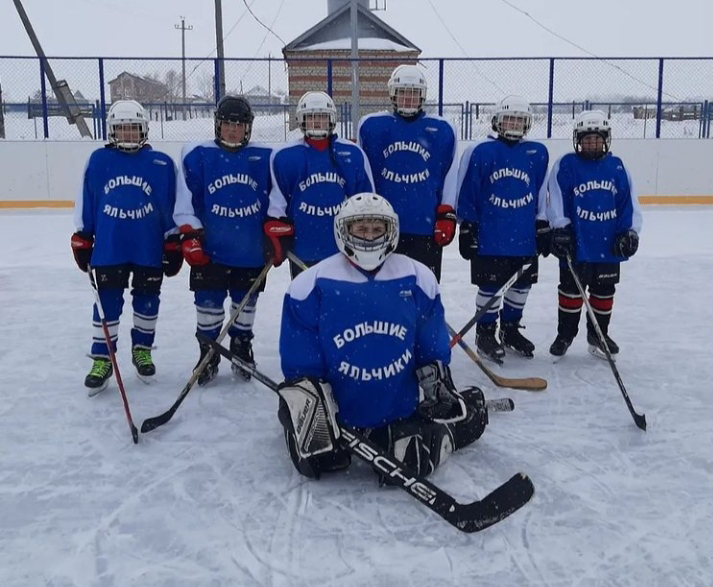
(592, 122)
(407, 80)
(366, 254)
(313, 103)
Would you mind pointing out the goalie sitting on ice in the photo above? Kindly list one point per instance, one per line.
(361, 331)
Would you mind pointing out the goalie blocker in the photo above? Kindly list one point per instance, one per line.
(308, 414)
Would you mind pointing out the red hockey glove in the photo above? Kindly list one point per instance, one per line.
(192, 246)
(445, 225)
(279, 235)
(82, 247)
(172, 255)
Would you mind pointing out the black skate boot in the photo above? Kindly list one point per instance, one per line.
(560, 345)
(242, 348)
(487, 343)
(515, 341)
(211, 369)
(98, 377)
(141, 358)
(597, 349)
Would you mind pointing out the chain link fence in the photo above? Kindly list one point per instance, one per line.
(644, 98)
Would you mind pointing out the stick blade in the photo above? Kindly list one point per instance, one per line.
(494, 507)
(134, 434)
(153, 423)
(640, 421)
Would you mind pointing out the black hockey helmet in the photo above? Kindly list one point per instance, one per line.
(234, 109)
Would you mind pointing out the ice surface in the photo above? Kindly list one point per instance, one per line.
(211, 498)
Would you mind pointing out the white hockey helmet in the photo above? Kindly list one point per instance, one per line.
(316, 103)
(408, 78)
(127, 112)
(367, 254)
(591, 122)
(512, 118)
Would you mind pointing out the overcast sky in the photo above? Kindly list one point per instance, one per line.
(442, 28)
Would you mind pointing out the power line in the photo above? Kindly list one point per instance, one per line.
(250, 64)
(583, 49)
(262, 24)
(465, 53)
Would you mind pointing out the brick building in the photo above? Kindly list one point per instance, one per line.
(381, 49)
(127, 86)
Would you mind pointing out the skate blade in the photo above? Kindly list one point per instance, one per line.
(556, 359)
(92, 391)
(147, 379)
(490, 359)
(595, 351)
(517, 353)
(241, 375)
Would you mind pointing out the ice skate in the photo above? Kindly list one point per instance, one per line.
(98, 378)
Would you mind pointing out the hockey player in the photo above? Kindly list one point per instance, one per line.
(413, 158)
(222, 198)
(503, 225)
(124, 226)
(360, 332)
(311, 179)
(596, 219)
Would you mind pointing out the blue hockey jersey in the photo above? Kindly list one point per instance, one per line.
(502, 189)
(127, 203)
(414, 164)
(226, 193)
(366, 335)
(598, 199)
(309, 187)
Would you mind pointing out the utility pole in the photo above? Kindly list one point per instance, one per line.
(183, 28)
(355, 67)
(219, 48)
(2, 115)
(61, 90)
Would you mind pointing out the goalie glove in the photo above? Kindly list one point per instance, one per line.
(312, 416)
(441, 401)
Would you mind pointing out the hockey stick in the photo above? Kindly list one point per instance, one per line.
(112, 355)
(457, 337)
(153, 423)
(466, 517)
(639, 419)
(526, 383)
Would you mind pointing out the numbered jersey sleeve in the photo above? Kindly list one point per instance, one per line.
(365, 334)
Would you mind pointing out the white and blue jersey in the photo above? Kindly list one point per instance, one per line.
(309, 187)
(226, 193)
(414, 164)
(597, 197)
(502, 190)
(127, 203)
(364, 334)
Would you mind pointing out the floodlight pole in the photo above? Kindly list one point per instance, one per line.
(219, 47)
(355, 67)
(183, 28)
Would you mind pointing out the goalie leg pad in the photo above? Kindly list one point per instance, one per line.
(310, 412)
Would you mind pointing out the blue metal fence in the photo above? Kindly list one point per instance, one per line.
(652, 98)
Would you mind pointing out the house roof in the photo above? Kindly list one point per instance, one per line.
(337, 26)
(138, 77)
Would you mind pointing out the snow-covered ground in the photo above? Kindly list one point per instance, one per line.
(211, 499)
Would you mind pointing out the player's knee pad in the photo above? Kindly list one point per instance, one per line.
(146, 280)
(112, 277)
(471, 429)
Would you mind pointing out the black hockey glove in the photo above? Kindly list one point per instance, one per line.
(172, 255)
(468, 240)
(441, 401)
(543, 236)
(563, 242)
(626, 244)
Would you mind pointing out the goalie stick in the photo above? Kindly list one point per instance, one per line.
(466, 517)
(153, 423)
(525, 383)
